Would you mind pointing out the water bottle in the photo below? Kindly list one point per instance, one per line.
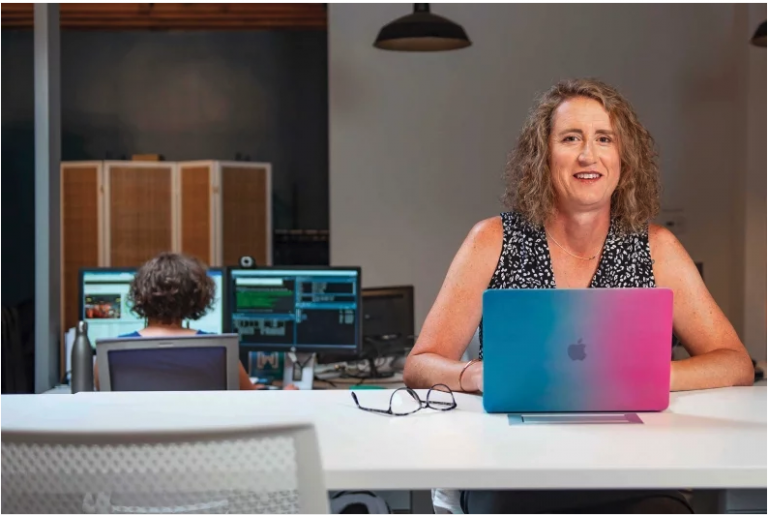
(82, 360)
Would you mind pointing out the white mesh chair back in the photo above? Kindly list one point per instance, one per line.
(253, 470)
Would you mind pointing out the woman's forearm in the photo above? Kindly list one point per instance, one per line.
(245, 380)
(716, 369)
(428, 369)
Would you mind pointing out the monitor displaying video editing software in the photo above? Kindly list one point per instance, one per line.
(104, 303)
(295, 309)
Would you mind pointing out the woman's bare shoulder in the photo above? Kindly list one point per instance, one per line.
(488, 233)
(478, 255)
(664, 244)
(672, 265)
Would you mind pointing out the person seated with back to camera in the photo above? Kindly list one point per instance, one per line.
(583, 185)
(167, 290)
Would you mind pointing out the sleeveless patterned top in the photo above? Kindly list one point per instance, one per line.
(525, 261)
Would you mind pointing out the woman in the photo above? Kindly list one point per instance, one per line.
(169, 289)
(583, 184)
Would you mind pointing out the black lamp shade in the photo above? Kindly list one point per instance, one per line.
(422, 31)
(759, 38)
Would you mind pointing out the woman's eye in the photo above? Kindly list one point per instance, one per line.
(569, 138)
(605, 139)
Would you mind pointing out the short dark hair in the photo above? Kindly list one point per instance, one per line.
(172, 287)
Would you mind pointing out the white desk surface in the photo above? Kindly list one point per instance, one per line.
(706, 439)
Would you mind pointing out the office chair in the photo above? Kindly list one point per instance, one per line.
(268, 469)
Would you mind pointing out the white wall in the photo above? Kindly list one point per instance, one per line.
(418, 142)
(755, 195)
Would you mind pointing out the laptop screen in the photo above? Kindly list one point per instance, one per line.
(168, 369)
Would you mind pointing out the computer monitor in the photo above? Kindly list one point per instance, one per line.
(295, 309)
(388, 315)
(388, 325)
(104, 303)
(178, 363)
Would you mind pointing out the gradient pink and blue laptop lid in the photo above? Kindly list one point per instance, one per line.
(590, 350)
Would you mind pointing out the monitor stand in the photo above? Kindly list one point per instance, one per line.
(299, 370)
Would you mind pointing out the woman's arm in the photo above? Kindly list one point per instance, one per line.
(456, 314)
(718, 358)
(245, 380)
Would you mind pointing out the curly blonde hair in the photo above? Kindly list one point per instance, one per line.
(529, 185)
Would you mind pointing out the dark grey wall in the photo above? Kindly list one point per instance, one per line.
(17, 162)
(195, 95)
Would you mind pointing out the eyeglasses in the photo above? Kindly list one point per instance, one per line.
(405, 401)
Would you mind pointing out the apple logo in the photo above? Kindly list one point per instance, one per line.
(576, 351)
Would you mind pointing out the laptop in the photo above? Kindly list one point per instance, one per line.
(590, 350)
(170, 363)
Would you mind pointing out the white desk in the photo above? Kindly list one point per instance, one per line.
(707, 439)
(393, 382)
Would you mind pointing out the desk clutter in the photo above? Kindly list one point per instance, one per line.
(291, 324)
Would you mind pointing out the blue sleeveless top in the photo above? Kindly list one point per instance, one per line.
(137, 334)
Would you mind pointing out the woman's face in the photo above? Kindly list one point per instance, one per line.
(583, 155)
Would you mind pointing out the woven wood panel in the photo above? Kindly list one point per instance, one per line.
(196, 211)
(80, 237)
(244, 214)
(140, 213)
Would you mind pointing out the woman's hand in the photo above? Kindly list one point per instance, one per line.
(473, 378)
